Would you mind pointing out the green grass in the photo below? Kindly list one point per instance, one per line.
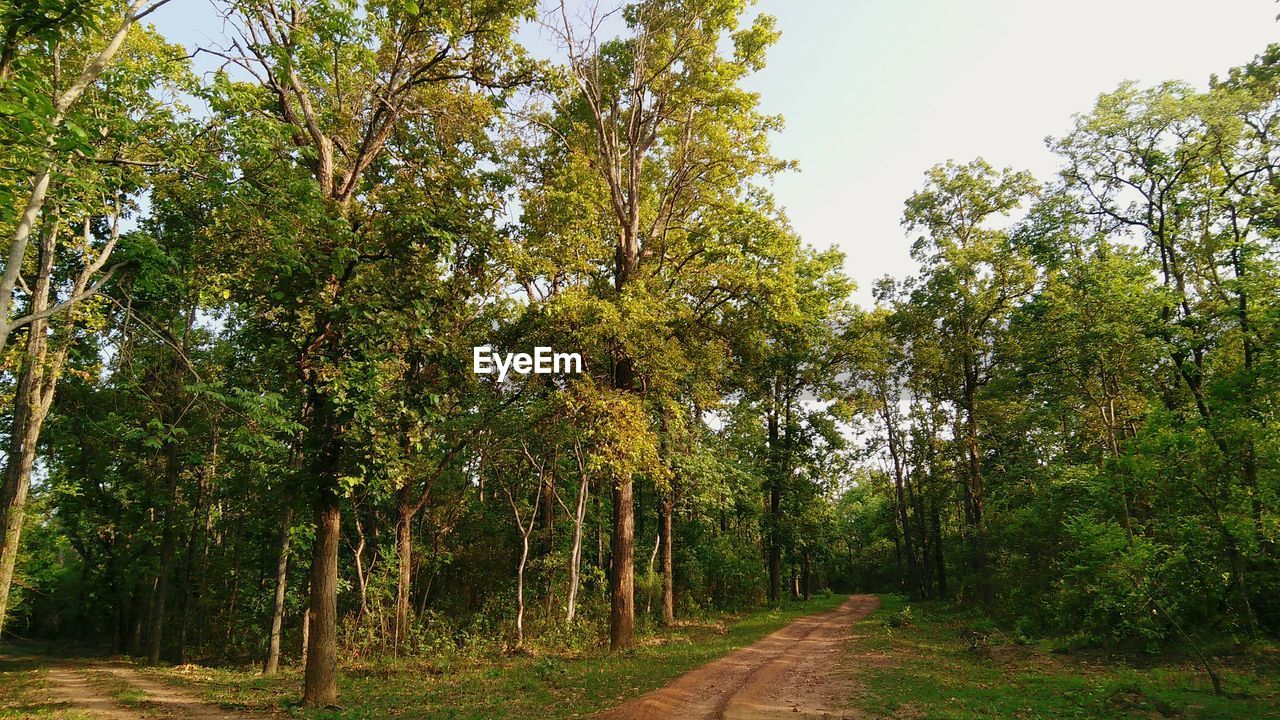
(120, 690)
(936, 666)
(532, 685)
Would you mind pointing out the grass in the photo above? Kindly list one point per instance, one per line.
(119, 689)
(515, 686)
(938, 663)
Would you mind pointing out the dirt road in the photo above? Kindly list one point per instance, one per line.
(115, 691)
(792, 673)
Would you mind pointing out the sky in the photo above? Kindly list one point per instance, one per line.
(875, 92)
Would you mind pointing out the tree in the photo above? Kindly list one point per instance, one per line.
(399, 72)
(972, 278)
(793, 345)
(89, 181)
(53, 118)
(660, 119)
(1177, 168)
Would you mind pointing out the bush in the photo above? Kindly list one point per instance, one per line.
(902, 618)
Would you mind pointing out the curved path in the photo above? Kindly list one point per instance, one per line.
(86, 687)
(789, 674)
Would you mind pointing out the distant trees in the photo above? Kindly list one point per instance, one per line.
(972, 278)
(1088, 375)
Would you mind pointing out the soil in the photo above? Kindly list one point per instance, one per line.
(797, 672)
(77, 686)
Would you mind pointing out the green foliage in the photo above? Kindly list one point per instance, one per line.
(1091, 373)
(535, 684)
(1066, 419)
(946, 666)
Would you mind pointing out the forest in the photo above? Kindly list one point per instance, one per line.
(238, 313)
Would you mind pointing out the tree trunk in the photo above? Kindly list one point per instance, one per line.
(193, 581)
(526, 531)
(974, 488)
(622, 575)
(320, 680)
(408, 504)
(668, 574)
(599, 532)
(17, 482)
(404, 571)
(160, 598)
(638, 501)
(938, 558)
(170, 416)
(775, 511)
(622, 597)
(652, 576)
(575, 558)
(32, 398)
(912, 578)
(120, 600)
(306, 634)
(134, 645)
(896, 533)
(233, 591)
(362, 584)
(897, 454)
(524, 560)
(806, 578)
(272, 664)
(916, 501)
(549, 519)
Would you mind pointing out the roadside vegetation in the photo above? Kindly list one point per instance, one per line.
(933, 660)
(482, 680)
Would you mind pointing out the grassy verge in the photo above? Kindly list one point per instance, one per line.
(932, 661)
(533, 685)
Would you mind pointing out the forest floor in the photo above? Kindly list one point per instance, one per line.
(933, 661)
(534, 683)
(859, 657)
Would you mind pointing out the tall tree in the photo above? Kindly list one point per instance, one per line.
(661, 120)
(971, 280)
(92, 147)
(347, 84)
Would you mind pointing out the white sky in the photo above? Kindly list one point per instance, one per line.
(877, 91)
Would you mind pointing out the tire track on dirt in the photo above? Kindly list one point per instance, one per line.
(789, 674)
(74, 685)
(75, 690)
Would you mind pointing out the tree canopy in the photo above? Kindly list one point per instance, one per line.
(267, 440)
